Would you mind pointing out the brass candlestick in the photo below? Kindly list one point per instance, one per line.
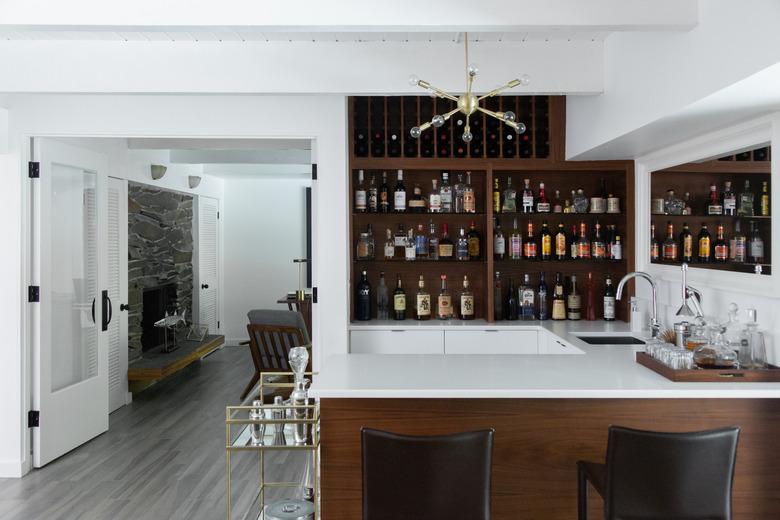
(301, 292)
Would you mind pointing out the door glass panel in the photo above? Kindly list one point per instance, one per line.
(73, 224)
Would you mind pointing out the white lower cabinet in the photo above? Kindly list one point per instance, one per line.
(491, 341)
(398, 341)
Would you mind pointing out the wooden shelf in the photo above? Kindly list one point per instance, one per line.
(710, 217)
(723, 168)
(746, 267)
(156, 364)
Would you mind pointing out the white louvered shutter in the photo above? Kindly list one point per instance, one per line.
(208, 262)
(117, 291)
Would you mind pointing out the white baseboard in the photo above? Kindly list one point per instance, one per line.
(13, 468)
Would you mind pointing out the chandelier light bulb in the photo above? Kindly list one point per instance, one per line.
(415, 132)
(467, 136)
(438, 120)
(414, 80)
(525, 80)
(509, 116)
(473, 69)
(520, 128)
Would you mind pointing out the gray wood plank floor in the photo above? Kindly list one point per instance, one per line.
(162, 458)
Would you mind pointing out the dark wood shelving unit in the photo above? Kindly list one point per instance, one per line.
(537, 155)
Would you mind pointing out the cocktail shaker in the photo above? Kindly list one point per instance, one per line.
(299, 399)
(258, 430)
(279, 438)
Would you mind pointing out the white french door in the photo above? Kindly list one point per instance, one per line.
(71, 320)
(207, 263)
(117, 292)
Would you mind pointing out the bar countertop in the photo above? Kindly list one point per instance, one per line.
(591, 372)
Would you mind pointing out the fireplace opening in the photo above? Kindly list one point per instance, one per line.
(156, 302)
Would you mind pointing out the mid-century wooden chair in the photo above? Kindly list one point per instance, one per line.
(272, 333)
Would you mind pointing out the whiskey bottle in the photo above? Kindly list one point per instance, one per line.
(721, 247)
(670, 247)
(433, 242)
(764, 199)
(756, 250)
(546, 242)
(526, 299)
(738, 245)
(363, 299)
(382, 299)
(598, 203)
(410, 247)
(416, 201)
(541, 298)
(444, 301)
(598, 248)
(360, 194)
(462, 246)
(583, 244)
(400, 240)
(705, 245)
(558, 300)
(729, 200)
(399, 194)
(530, 251)
(542, 203)
(399, 301)
(557, 206)
(590, 299)
(528, 197)
(746, 202)
(496, 196)
(457, 194)
(384, 195)
(616, 249)
(686, 244)
(561, 243)
(373, 196)
(609, 300)
(499, 243)
(475, 242)
(422, 302)
(714, 207)
(434, 198)
(511, 302)
(510, 198)
(421, 243)
(655, 247)
(445, 193)
(466, 301)
(515, 243)
(469, 198)
(574, 301)
(498, 298)
(389, 245)
(446, 247)
(574, 243)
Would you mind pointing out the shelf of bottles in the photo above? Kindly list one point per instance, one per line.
(714, 215)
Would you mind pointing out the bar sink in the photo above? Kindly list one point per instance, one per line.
(611, 340)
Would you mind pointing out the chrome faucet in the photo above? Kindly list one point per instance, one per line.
(655, 325)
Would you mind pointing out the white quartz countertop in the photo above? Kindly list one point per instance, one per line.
(602, 372)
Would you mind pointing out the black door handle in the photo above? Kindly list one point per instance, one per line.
(124, 307)
(204, 286)
(93, 310)
(108, 311)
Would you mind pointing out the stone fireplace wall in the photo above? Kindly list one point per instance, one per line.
(159, 249)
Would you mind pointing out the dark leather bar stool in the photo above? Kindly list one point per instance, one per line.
(661, 476)
(426, 478)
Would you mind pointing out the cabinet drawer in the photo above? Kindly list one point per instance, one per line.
(549, 343)
(396, 341)
(491, 341)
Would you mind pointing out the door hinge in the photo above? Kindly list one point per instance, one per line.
(33, 294)
(33, 169)
(33, 419)
(314, 172)
(314, 295)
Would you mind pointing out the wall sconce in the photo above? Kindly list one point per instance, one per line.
(158, 171)
(194, 181)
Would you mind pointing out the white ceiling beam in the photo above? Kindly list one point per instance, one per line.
(574, 67)
(354, 15)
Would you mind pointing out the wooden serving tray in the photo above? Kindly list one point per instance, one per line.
(710, 375)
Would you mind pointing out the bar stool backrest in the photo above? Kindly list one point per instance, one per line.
(670, 475)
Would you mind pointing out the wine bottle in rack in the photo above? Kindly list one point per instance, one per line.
(394, 146)
(410, 120)
(361, 126)
(541, 127)
(761, 154)
(444, 132)
(525, 110)
(493, 131)
(476, 147)
(427, 138)
(460, 148)
(377, 109)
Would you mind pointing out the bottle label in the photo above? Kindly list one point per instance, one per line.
(687, 246)
(372, 200)
(739, 250)
(466, 305)
(574, 250)
(715, 209)
(496, 202)
(434, 203)
(400, 240)
(389, 250)
(399, 302)
(721, 252)
(757, 248)
(704, 247)
(617, 251)
(530, 249)
(543, 207)
(446, 199)
(473, 247)
(558, 310)
(546, 245)
(499, 245)
(516, 246)
(399, 200)
(599, 250)
(575, 304)
(410, 252)
(597, 205)
(613, 205)
(609, 307)
(445, 306)
(423, 304)
(417, 204)
(654, 251)
(560, 244)
(445, 250)
(360, 200)
(468, 201)
(765, 205)
(583, 250)
(383, 199)
(670, 251)
(527, 297)
(421, 245)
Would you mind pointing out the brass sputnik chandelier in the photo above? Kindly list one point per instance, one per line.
(468, 103)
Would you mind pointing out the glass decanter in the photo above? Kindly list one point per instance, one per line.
(580, 201)
(752, 353)
(672, 204)
(717, 353)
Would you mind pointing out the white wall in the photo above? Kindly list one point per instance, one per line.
(165, 116)
(264, 228)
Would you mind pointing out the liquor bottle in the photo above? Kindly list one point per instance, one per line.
(530, 251)
(670, 247)
(515, 243)
(422, 302)
(613, 204)
(738, 245)
(541, 298)
(410, 247)
(580, 201)
(499, 243)
(445, 193)
(558, 300)
(764, 199)
(616, 249)
(457, 194)
(583, 244)
(433, 242)
(496, 196)
(714, 207)
(590, 299)
(498, 298)
(561, 243)
(462, 246)
(574, 301)
(363, 299)
(469, 198)
(421, 243)
(729, 200)
(687, 209)
(574, 243)
(434, 198)
(399, 194)
(400, 240)
(598, 248)
(609, 300)
(382, 299)
(528, 197)
(373, 196)
(546, 242)
(655, 247)
(527, 299)
(746, 206)
(371, 242)
(475, 242)
(756, 249)
(360, 194)
(511, 302)
(510, 198)
(394, 144)
(557, 206)
(721, 247)
(446, 247)
(384, 195)
(389, 245)
(598, 203)
(466, 301)
(542, 203)
(705, 245)
(399, 301)
(444, 301)
(686, 244)
(416, 201)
